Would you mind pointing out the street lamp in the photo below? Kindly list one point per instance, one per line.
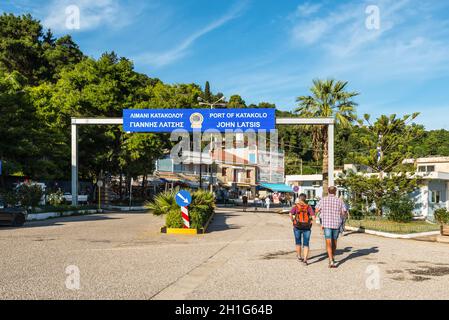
(217, 103)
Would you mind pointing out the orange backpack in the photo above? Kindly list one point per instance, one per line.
(301, 219)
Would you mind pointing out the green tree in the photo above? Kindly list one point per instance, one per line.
(236, 101)
(20, 46)
(387, 143)
(329, 99)
(207, 92)
(101, 88)
(23, 141)
(435, 142)
(38, 57)
(367, 189)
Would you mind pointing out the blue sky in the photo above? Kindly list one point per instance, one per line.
(271, 50)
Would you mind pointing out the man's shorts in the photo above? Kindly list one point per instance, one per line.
(331, 233)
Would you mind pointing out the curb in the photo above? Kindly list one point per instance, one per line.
(180, 231)
(126, 209)
(393, 235)
(184, 231)
(48, 215)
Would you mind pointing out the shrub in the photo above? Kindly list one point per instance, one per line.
(30, 195)
(11, 198)
(441, 216)
(356, 214)
(165, 203)
(56, 198)
(400, 208)
(200, 210)
(174, 219)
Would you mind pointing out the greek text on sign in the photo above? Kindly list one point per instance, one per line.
(167, 120)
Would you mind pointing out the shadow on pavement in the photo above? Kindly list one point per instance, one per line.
(60, 221)
(358, 253)
(353, 254)
(219, 223)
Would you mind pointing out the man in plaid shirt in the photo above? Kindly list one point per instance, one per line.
(332, 211)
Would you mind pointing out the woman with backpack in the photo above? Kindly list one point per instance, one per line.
(301, 217)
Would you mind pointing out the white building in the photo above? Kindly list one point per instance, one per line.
(431, 195)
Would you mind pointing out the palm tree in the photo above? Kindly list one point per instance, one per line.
(329, 99)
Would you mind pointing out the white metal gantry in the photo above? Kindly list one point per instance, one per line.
(329, 122)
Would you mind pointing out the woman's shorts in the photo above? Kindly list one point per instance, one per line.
(302, 237)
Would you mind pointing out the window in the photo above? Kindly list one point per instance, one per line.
(426, 168)
(224, 172)
(436, 196)
(248, 174)
(311, 194)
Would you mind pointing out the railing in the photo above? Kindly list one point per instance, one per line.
(243, 180)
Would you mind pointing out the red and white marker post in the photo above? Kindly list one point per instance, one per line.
(185, 217)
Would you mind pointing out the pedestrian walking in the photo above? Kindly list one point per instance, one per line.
(245, 202)
(256, 202)
(301, 216)
(332, 210)
(267, 202)
(344, 218)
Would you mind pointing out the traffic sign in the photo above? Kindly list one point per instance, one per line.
(223, 120)
(296, 189)
(183, 198)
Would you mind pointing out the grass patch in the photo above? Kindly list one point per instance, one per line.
(384, 225)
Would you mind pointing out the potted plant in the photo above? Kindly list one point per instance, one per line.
(442, 217)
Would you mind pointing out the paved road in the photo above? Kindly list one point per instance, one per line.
(246, 256)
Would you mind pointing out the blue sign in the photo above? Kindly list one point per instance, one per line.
(223, 120)
(183, 198)
(0, 167)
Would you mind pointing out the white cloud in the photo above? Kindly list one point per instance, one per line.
(307, 9)
(311, 32)
(408, 52)
(93, 14)
(160, 59)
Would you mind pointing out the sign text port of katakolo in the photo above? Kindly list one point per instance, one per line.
(168, 120)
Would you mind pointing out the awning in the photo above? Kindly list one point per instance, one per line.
(279, 187)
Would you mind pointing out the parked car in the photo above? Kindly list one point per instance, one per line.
(15, 217)
(81, 197)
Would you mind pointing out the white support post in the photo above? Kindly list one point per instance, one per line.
(119, 121)
(447, 196)
(74, 164)
(330, 146)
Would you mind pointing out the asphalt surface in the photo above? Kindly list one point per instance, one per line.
(244, 256)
